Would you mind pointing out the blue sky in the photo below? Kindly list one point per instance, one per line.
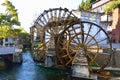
(29, 10)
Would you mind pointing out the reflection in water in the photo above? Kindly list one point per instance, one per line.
(28, 70)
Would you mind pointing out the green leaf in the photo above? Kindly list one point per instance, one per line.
(109, 7)
(8, 19)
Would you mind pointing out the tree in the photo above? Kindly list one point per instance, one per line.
(8, 19)
(81, 6)
(88, 5)
(21, 33)
(23, 36)
(26, 39)
(112, 5)
(12, 12)
(85, 5)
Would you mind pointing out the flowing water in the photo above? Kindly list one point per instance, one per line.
(29, 70)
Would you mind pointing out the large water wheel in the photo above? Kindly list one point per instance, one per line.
(87, 36)
(50, 24)
(59, 28)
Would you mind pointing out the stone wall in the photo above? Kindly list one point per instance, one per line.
(17, 57)
(116, 59)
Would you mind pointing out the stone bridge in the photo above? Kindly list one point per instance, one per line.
(12, 54)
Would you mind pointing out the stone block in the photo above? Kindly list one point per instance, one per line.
(80, 71)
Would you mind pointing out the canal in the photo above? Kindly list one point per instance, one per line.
(29, 70)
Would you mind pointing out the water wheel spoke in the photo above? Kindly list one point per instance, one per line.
(74, 41)
(97, 63)
(94, 36)
(49, 31)
(47, 15)
(93, 44)
(69, 15)
(51, 14)
(61, 28)
(47, 35)
(77, 40)
(67, 33)
(66, 55)
(64, 13)
(42, 22)
(44, 43)
(97, 32)
(73, 48)
(88, 33)
(59, 15)
(44, 19)
(55, 14)
(37, 24)
(70, 61)
(102, 40)
(62, 49)
(90, 41)
(97, 42)
(92, 60)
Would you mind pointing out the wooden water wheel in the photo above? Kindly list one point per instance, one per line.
(68, 35)
(89, 36)
(50, 24)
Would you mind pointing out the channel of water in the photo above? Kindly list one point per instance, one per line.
(29, 70)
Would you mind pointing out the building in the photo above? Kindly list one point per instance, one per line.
(98, 5)
(93, 17)
(113, 19)
(10, 41)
